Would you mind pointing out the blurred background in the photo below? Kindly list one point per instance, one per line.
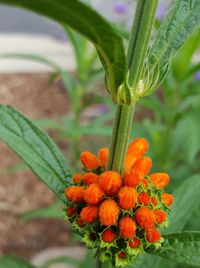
(54, 77)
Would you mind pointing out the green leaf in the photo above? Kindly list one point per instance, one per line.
(90, 24)
(53, 211)
(14, 262)
(62, 260)
(181, 21)
(187, 199)
(35, 147)
(181, 247)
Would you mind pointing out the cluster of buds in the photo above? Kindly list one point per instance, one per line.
(118, 215)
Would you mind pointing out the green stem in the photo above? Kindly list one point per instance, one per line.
(106, 265)
(137, 51)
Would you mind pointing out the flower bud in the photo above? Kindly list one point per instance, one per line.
(131, 179)
(168, 199)
(93, 194)
(160, 216)
(145, 217)
(80, 222)
(110, 182)
(108, 236)
(160, 180)
(108, 212)
(89, 214)
(89, 178)
(127, 227)
(154, 201)
(71, 211)
(103, 156)
(134, 243)
(152, 235)
(143, 165)
(144, 198)
(121, 255)
(89, 160)
(75, 193)
(77, 178)
(127, 197)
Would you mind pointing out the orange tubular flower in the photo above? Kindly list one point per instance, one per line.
(75, 193)
(168, 199)
(103, 156)
(127, 227)
(143, 165)
(160, 216)
(93, 194)
(145, 217)
(80, 222)
(77, 177)
(108, 236)
(109, 212)
(144, 199)
(89, 214)
(152, 235)
(160, 180)
(90, 177)
(134, 243)
(131, 179)
(127, 197)
(89, 160)
(145, 183)
(110, 182)
(135, 150)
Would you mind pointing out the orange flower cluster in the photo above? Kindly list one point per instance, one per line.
(120, 215)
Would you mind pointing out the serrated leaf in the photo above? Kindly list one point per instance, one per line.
(37, 150)
(181, 21)
(181, 247)
(52, 211)
(14, 262)
(90, 24)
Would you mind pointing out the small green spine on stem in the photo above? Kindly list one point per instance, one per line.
(137, 51)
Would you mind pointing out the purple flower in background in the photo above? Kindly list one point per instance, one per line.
(103, 109)
(197, 76)
(161, 10)
(121, 8)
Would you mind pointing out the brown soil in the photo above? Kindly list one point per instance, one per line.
(22, 191)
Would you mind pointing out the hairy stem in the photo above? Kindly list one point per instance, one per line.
(137, 51)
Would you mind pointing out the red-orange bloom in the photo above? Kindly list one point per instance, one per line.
(145, 217)
(121, 255)
(90, 177)
(135, 150)
(134, 243)
(77, 177)
(160, 216)
(103, 156)
(89, 160)
(154, 201)
(93, 194)
(143, 165)
(160, 180)
(109, 212)
(131, 179)
(89, 214)
(110, 182)
(108, 236)
(145, 183)
(71, 211)
(80, 222)
(168, 199)
(127, 197)
(75, 193)
(127, 227)
(152, 235)
(144, 198)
